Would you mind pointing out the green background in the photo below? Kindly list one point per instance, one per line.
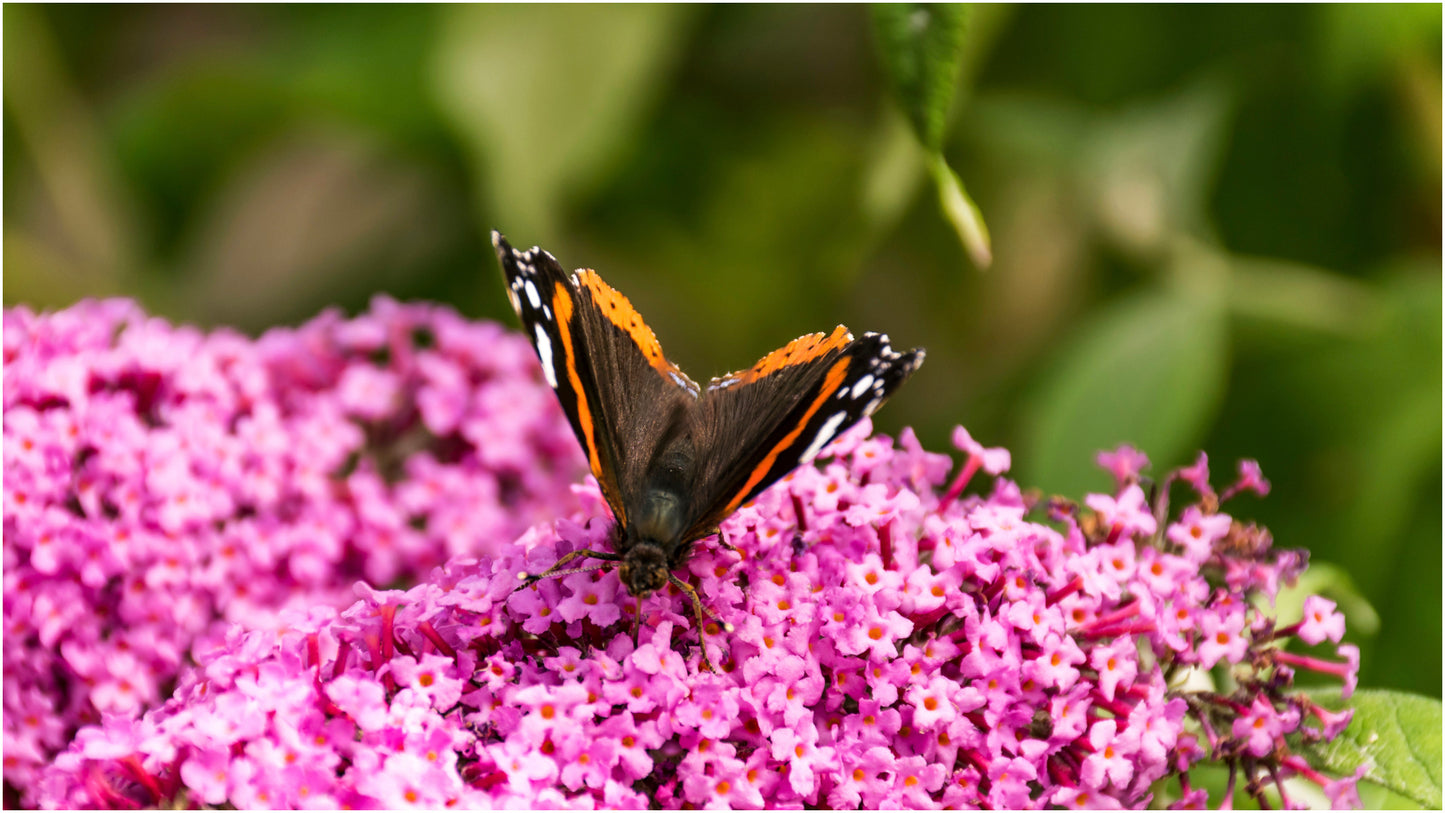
(1212, 227)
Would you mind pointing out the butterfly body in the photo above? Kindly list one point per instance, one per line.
(674, 459)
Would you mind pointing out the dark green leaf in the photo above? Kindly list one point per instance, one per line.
(921, 46)
(1397, 733)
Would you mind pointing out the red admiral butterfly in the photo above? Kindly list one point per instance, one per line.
(674, 459)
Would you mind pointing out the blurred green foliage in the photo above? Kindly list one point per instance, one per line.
(1212, 227)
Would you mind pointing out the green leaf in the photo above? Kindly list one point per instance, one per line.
(1294, 295)
(921, 47)
(962, 213)
(1149, 370)
(546, 96)
(1397, 733)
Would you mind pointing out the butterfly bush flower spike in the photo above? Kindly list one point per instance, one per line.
(161, 482)
(896, 643)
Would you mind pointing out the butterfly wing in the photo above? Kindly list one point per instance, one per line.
(759, 424)
(620, 393)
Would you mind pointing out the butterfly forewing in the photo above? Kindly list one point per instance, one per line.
(546, 301)
(624, 399)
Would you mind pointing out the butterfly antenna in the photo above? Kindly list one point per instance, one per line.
(529, 579)
(570, 571)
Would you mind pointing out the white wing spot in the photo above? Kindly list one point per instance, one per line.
(544, 352)
(683, 382)
(863, 383)
(873, 406)
(824, 435)
(532, 295)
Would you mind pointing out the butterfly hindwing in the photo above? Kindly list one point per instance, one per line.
(762, 423)
(620, 393)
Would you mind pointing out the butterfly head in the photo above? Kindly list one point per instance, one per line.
(644, 569)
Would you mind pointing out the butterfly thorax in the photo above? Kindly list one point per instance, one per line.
(651, 540)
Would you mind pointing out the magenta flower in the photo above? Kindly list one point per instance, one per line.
(1250, 479)
(1262, 725)
(1109, 763)
(1129, 515)
(1124, 463)
(1321, 621)
(1197, 476)
(1222, 637)
(1196, 533)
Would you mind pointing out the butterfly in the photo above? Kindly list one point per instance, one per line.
(674, 459)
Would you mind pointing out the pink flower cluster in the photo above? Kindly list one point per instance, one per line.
(894, 643)
(160, 480)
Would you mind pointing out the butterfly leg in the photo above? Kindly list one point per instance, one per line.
(723, 542)
(698, 612)
(529, 579)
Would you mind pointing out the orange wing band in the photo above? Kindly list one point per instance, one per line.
(834, 379)
(619, 311)
(798, 351)
(562, 301)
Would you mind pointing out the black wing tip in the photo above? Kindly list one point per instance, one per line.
(880, 349)
(506, 255)
(525, 262)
